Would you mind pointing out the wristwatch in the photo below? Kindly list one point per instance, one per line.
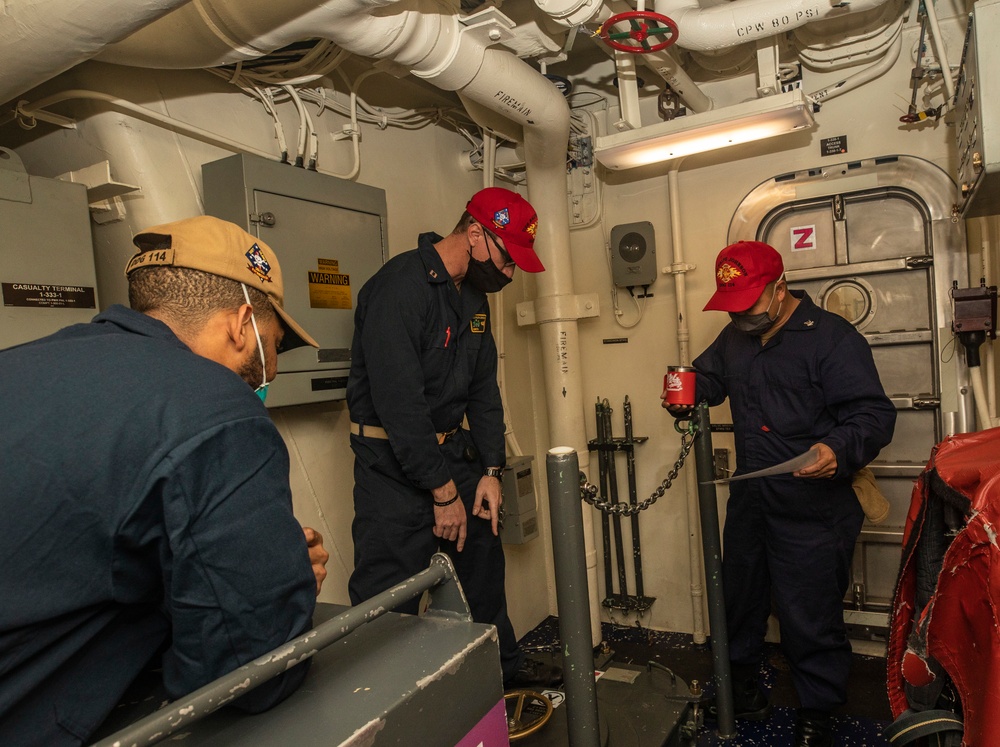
(496, 472)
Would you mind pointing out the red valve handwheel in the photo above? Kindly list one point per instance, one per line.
(642, 26)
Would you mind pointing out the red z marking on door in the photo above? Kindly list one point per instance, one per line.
(802, 238)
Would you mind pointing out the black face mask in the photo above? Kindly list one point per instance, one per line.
(485, 275)
(756, 324)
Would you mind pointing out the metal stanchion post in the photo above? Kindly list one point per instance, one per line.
(563, 470)
(712, 545)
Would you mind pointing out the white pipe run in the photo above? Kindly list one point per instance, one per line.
(684, 353)
(666, 65)
(543, 116)
(726, 25)
(33, 35)
(573, 13)
(983, 405)
(421, 35)
(720, 26)
(937, 40)
(868, 74)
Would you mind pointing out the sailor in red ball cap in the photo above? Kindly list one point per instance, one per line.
(799, 379)
(426, 417)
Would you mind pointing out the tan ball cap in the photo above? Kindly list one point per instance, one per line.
(220, 248)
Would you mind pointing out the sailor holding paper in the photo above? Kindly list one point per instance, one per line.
(798, 379)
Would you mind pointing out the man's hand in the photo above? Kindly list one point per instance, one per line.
(824, 466)
(678, 411)
(489, 498)
(449, 521)
(681, 412)
(317, 555)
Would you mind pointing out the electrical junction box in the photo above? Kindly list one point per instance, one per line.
(975, 310)
(47, 275)
(330, 237)
(520, 523)
(977, 102)
(633, 254)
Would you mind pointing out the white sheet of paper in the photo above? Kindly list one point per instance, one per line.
(792, 465)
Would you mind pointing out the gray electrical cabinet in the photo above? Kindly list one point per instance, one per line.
(330, 237)
(977, 103)
(520, 522)
(47, 275)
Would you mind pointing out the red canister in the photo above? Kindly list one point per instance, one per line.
(679, 385)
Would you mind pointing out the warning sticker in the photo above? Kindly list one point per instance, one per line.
(329, 288)
(52, 296)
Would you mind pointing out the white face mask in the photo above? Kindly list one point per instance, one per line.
(264, 383)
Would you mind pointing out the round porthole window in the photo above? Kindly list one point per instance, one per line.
(852, 299)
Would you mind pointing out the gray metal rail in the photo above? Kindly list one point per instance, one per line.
(447, 600)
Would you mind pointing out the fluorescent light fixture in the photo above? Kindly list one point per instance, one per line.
(697, 133)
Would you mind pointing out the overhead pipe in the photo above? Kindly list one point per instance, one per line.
(848, 42)
(573, 13)
(666, 65)
(868, 74)
(33, 35)
(706, 29)
(726, 25)
(29, 112)
(423, 36)
(720, 26)
(940, 51)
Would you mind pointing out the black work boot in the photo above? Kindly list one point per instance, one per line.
(813, 728)
(749, 702)
(535, 675)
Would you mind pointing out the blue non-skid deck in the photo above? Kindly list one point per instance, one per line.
(858, 724)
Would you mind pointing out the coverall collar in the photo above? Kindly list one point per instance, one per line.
(433, 264)
(806, 315)
(138, 323)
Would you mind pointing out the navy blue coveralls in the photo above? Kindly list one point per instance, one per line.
(785, 538)
(144, 507)
(423, 358)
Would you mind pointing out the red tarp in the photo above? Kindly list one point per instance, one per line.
(962, 617)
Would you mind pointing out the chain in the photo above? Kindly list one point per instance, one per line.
(589, 491)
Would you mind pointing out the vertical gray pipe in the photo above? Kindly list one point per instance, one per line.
(563, 470)
(712, 545)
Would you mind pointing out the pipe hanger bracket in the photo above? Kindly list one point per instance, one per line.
(558, 309)
(488, 26)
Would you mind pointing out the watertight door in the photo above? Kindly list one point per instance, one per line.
(876, 242)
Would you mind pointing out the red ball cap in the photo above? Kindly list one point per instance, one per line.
(512, 218)
(742, 271)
